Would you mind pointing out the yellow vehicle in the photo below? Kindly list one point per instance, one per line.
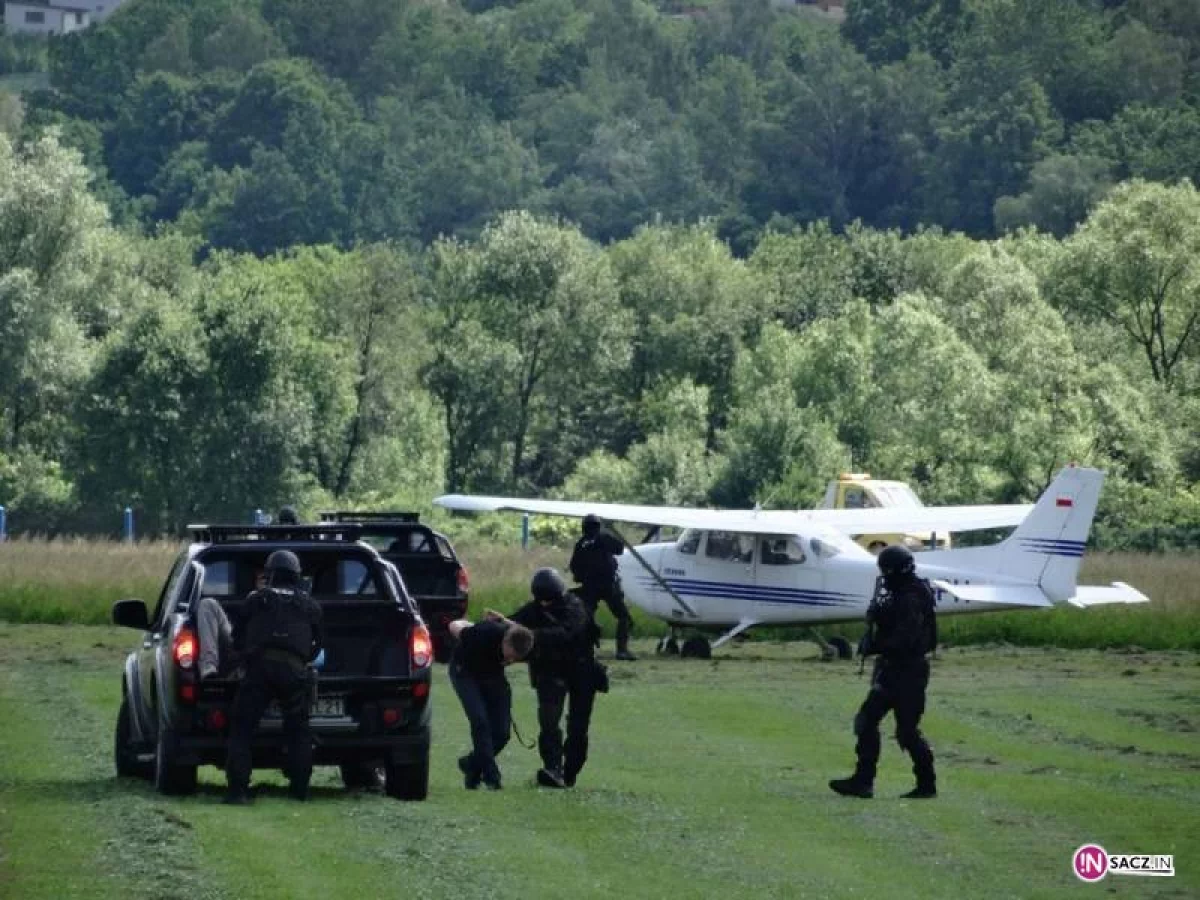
(858, 490)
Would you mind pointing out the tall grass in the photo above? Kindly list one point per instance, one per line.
(78, 581)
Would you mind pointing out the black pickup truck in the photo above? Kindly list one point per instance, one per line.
(431, 570)
(371, 706)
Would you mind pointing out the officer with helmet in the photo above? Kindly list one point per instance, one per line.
(281, 633)
(564, 672)
(594, 565)
(901, 629)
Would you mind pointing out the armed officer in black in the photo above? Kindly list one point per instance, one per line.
(901, 629)
(594, 565)
(281, 633)
(564, 673)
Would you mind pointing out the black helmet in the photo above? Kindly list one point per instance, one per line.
(287, 516)
(546, 585)
(283, 561)
(591, 525)
(896, 560)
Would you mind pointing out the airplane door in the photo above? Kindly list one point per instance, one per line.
(717, 579)
(789, 580)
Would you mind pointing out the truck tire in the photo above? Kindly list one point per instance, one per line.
(360, 776)
(124, 751)
(407, 781)
(170, 777)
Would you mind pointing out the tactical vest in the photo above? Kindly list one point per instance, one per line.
(279, 619)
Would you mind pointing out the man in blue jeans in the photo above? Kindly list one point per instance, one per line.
(477, 673)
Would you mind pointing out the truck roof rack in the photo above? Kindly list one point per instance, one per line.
(231, 534)
(343, 515)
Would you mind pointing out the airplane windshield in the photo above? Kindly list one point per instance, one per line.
(823, 550)
(689, 542)
(896, 495)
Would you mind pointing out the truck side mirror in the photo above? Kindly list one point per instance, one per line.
(131, 614)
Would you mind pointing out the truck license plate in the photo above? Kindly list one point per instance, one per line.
(323, 707)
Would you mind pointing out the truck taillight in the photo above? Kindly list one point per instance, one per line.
(464, 580)
(184, 648)
(421, 647)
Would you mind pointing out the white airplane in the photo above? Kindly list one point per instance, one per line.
(731, 570)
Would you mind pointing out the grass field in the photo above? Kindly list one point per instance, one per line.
(78, 581)
(706, 780)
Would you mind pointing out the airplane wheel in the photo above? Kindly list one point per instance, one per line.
(696, 647)
(842, 646)
(668, 646)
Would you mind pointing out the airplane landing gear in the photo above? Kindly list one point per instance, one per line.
(837, 647)
(696, 648)
(667, 646)
(841, 646)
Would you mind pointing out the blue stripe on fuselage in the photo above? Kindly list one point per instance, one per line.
(688, 587)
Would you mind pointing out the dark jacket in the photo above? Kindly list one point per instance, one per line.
(593, 562)
(480, 651)
(562, 634)
(902, 623)
(281, 619)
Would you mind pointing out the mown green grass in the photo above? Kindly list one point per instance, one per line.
(78, 581)
(706, 780)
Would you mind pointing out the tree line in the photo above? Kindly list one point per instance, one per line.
(190, 382)
(256, 125)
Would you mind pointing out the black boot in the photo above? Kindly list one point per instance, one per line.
(471, 778)
(623, 653)
(851, 787)
(925, 791)
(551, 778)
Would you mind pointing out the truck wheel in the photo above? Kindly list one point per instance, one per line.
(407, 781)
(841, 646)
(169, 777)
(124, 752)
(360, 776)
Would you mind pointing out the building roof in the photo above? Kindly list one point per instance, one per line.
(48, 4)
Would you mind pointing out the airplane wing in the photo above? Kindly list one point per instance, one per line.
(848, 521)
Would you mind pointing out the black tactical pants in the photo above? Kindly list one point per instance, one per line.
(267, 680)
(614, 599)
(577, 692)
(488, 705)
(898, 687)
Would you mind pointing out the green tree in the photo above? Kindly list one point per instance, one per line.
(1136, 263)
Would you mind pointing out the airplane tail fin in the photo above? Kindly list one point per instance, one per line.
(1045, 550)
(1047, 547)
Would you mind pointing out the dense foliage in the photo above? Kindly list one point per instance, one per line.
(292, 251)
(260, 124)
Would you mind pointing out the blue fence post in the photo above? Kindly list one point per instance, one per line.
(127, 525)
(3, 524)
(525, 531)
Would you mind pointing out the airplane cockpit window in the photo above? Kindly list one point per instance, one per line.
(823, 550)
(730, 546)
(689, 542)
(780, 551)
